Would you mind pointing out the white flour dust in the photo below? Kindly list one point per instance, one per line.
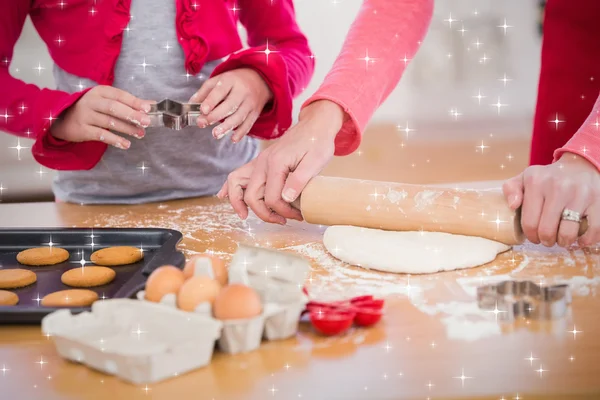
(425, 198)
(212, 219)
(394, 196)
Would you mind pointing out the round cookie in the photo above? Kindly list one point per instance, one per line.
(114, 256)
(41, 256)
(70, 298)
(88, 276)
(16, 278)
(8, 298)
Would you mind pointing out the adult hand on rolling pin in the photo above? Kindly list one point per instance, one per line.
(544, 192)
(278, 175)
(98, 112)
(237, 98)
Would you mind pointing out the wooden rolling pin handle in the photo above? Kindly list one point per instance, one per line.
(403, 207)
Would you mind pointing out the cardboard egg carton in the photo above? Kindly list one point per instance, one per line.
(144, 342)
(278, 279)
(139, 342)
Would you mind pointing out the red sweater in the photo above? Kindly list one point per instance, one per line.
(91, 33)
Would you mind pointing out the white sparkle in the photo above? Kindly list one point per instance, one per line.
(463, 30)
(273, 389)
(144, 65)
(92, 11)
(430, 385)
(477, 43)
(367, 59)
(41, 362)
(167, 47)
(143, 168)
(499, 105)
(80, 86)
(531, 358)
(504, 26)
(146, 389)
(22, 108)
(575, 332)
(405, 59)
(450, 20)
(505, 79)
(556, 121)
(4, 370)
(59, 40)
(41, 172)
(81, 262)
(6, 115)
(18, 147)
(484, 59)
(267, 51)
(39, 68)
(387, 347)
(138, 331)
(462, 377)
(498, 221)
(482, 147)
(49, 243)
(541, 370)
(479, 96)
(455, 113)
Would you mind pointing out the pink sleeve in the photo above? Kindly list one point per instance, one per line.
(387, 31)
(280, 54)
(27, 111)
(586, 141)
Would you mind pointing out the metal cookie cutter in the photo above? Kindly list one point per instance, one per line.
(513, 299)
(173, 114)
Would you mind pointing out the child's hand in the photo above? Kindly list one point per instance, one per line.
(100, 110)
(237, 97)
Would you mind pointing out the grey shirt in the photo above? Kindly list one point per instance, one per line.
(165, 164)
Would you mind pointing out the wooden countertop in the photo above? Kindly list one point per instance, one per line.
(431, 335)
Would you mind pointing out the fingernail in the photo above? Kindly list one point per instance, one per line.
(193, 98)
(141, 133)
(289, 195)
(201, 122)
(218, 131)
(145, 121)
(146, 107)
(205, 109)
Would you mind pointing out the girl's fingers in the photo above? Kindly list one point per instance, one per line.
(126, 98)
(215, 96)
(102, 135)
(245, 127)
(204, 90)
(114, 124)
(531, 210)
(231, 105)
(116, 109)
(232, 122)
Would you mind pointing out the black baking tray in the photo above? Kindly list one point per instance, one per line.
(159, 246)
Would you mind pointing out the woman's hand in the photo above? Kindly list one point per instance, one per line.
(278, 175)
(544, 192)
(237, 98)
(100, 110)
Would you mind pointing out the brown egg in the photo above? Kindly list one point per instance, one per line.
(237, 302)
(218, 266)
(196, 290)
(163, 280)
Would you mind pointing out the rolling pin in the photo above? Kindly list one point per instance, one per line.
(406, 207)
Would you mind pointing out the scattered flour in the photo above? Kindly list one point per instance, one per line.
(394, 196)
(425, 198)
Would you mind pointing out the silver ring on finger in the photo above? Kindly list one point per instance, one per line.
(570, 215)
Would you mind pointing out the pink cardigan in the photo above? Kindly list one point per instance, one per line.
(389, 30)
(91, 33)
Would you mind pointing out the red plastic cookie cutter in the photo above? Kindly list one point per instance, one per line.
(333, 318)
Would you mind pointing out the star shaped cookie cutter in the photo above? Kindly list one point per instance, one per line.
(173, 114)
(513, 299)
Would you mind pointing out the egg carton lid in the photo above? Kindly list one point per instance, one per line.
(140, 342)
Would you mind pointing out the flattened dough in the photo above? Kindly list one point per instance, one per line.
(409, 252)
